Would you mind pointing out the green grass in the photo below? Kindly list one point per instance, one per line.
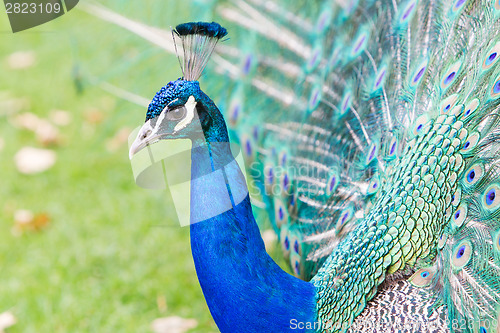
(111, 249)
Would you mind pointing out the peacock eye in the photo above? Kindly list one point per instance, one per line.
(177, 113)
(146, 134)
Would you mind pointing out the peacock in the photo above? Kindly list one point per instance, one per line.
(370, 132)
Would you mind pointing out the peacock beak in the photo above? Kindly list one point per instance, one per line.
(167, 125)
(147, 135)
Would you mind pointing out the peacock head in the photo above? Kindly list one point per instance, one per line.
(181, 110)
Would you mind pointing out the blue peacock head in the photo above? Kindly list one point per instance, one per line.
(181, 110)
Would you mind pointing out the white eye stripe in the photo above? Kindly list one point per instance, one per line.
(175, 100)
(190, 106)
(163, 114)
(161, 118)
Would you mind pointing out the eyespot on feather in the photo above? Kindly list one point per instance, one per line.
(345, 216)
(470, 143)
(373, 185)
(459, 215)
(372, 153)
(470, 108)
(461, 254)
(450, 75)
(346, 103)
(458, 5)
(360, 44)
(448, 103)
(269, 178)
(248, 147)
(334, 57)
(296, 264)
(315, 98)
(491, 197)
(324, 20)
(295, 244)
(421, 125)
(285, 241)
(495, 89)
(235, 111)
(332, 184)
(315, 58)
(392, 149)
(292, 202)
(280, 212)
(418, 74)
(283, 158)
(256, 133)
(491, 57)
(380, 78)
(407, 13)
(248, 64)
(473, 174)
(286, 183)
(423, 277)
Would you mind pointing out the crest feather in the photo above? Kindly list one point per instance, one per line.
(198, 40)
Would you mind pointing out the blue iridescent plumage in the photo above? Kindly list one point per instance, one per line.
(177, 91)
(201, 28)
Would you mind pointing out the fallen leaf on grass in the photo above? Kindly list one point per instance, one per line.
(46, 133)
(173, 324)
(25, 220)
(26, 120)
(60, 117)
(30, 160)
(21, 59)
(120, 139)
(10, 105)
(7, 319)
(161, 302)
(93, 116)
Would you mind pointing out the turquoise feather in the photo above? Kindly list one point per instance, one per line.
(371, 135)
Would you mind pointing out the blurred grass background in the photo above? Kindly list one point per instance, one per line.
(112, 257)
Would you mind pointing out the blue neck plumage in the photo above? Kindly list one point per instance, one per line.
(245, 289)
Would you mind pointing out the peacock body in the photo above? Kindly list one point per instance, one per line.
(371, 136)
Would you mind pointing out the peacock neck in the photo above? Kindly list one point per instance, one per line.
(245, 289)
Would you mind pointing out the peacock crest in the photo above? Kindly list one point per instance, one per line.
(198, 41)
